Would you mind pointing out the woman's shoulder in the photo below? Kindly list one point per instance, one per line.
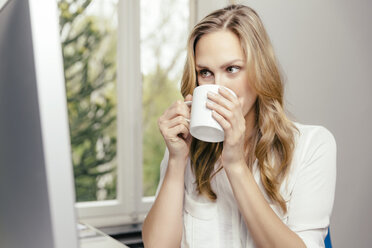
(313, 141)
(313, 134)
(314, 154)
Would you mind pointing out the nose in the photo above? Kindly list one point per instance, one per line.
(219, 79)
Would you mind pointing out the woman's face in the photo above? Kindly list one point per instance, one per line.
(220, 60)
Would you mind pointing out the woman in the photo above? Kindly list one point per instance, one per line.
(271, 182)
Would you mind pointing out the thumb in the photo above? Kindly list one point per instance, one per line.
(189, 139)
(188, 97)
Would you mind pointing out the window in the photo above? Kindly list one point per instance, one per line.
(164, 28)
(88, 33)
(123, 61)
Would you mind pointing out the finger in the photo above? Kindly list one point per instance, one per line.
(188, 97)
(222, 121)
(177, 108)
(221, 100)
(225, 113)
(227, 94)
(188, 100)
(178, 130)
(188, 103)
(189, 138)
(176, 121)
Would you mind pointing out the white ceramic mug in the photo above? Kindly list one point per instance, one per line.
(202, 124)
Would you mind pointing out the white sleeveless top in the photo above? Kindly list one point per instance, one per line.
(308, 191)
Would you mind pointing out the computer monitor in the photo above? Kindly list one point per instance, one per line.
(36, 179)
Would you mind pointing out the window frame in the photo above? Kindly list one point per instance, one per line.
(130, 206)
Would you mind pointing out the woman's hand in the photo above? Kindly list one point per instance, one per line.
(175, 127)
(228, 113)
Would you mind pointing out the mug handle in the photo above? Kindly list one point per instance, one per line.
(188, 103)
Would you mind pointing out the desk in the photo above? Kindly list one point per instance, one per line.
(90, 237)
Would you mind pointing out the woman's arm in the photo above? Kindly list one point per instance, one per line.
(265, 226)
(163, 224)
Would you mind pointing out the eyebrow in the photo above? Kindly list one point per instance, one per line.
(222, 66)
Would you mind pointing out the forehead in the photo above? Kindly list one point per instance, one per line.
(217, 48)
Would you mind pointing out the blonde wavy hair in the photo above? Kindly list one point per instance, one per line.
(273, 135)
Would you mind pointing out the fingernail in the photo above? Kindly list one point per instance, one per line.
(222, 89)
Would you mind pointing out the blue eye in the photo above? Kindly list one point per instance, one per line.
(205, 73)
(233, 69)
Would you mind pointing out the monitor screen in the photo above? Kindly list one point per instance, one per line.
(36, 178)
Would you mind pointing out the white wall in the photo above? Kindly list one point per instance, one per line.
(324, 48)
